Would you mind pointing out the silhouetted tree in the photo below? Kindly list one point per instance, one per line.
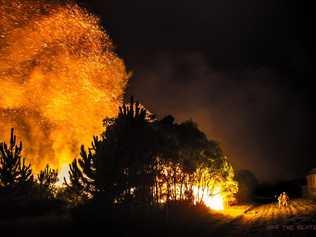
(47, 180)
(15, 175)
(118, 167)
(126, 157)
(141, 160)
(184, 150)
(82, 175)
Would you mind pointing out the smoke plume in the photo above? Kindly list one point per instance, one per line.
(261, 124)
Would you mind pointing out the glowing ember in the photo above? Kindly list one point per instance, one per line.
(59, 78)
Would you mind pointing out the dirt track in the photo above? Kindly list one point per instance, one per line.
(298, 219)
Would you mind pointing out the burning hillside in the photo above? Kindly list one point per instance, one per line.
(59, 78)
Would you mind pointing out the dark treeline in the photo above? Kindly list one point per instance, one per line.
(143, 161)
(140, 167)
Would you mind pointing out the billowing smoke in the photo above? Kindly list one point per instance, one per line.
(59, 77)
(262, 124)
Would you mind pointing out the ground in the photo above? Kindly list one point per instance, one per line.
(298, 219)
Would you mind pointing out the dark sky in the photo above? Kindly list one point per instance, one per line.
(241, 69)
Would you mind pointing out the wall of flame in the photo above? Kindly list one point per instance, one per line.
(59, 78)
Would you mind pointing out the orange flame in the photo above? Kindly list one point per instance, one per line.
(59, 78)
(206, 187)
(213, 199)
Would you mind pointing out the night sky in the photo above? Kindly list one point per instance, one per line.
(241, 69)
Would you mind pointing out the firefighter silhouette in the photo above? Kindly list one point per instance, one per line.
(283, 200)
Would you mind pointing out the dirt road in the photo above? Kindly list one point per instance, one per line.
(298, 219)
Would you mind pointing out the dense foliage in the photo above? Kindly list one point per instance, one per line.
(139, 161)
(146, 161)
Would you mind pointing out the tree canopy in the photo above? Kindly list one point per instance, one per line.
(144, 160)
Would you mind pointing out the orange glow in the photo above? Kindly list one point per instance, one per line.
(210, 189)
(211, 198)
(59, 79)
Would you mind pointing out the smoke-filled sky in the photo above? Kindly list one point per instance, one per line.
(241, 69)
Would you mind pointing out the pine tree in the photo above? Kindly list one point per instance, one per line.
(125, 162)
(47, 180)
(15, 175)
(118, 166)
(82, 175)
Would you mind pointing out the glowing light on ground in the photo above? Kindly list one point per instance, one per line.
(210, 198)
(216, 202)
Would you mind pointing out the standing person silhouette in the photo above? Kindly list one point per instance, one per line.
(283, 200)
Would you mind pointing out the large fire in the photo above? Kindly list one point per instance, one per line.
(213, 198)
(208, 188)
(59, 78)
